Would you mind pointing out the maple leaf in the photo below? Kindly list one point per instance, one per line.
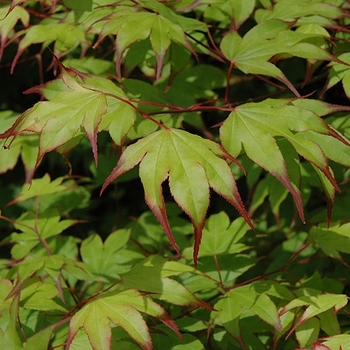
(122, 309)
(192, 164)
(254, 126)
(61, 122)
(9, 16)
(130, 26)
(251, 54)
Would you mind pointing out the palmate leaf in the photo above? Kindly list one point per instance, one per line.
(192, 164)
(122, 309)
(220, 236)
(251, 54)
(9, 16)
(131, 26)
(254, 126)
(61, 122)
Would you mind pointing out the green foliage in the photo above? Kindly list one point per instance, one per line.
(239, 104)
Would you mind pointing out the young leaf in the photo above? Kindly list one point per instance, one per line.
(41, 187)
(102, 259)
(40, 296)
(191, 164)
(222, 237)
(34, 230)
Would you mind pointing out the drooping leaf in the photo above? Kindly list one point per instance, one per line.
(59, 120)
(251, 54)
(66, 37)
(130, 26)
(254, 126)
(191, 164)
(9, 16)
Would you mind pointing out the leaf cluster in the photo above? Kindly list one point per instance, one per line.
(209, 105)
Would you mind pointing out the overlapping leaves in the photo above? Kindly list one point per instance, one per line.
(61, 122)
(193, 165)
(160, 25)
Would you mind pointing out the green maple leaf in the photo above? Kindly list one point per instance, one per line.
(61, 122)
(192, 165)
(254, 127)
(9, 16)
(122, 309)
(251, 54)
(130, 26)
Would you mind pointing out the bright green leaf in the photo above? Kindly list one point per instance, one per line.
(250, 126)
(222, 237)
(191, 164)
(8, 19)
